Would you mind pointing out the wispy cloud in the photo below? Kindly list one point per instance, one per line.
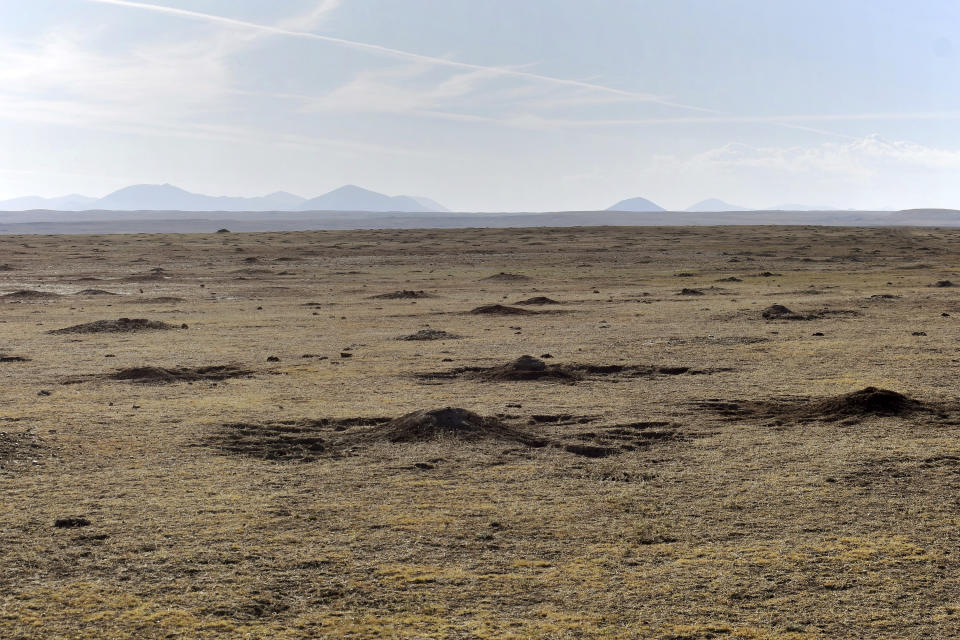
(165, 89)
(401, 54)
(115, 121)
(296, 28)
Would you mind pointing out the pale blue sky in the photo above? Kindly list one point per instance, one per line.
(487, 105)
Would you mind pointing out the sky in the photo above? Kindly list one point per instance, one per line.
(496, 105)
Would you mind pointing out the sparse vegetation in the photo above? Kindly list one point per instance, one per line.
(707, 470)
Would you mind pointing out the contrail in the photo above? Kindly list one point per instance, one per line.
(398, 53)
(441, 62)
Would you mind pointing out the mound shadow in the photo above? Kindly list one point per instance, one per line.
(605, 441)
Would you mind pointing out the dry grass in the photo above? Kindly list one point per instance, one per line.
(756, 527)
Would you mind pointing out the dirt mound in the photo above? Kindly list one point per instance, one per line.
(6, 358)
(95, 292)
(691, 292)
(538, 300)
(780, 312)
(448, 422)
(159, 300)
(121, 325)
(30, 295)
(154, 275)
(402, 295)
(506, 277)
(253, 271)
(163, 375)
(500, 310)
(308, 440)
(527, 368)
(430, 334)
(870, 401)
(850, 407)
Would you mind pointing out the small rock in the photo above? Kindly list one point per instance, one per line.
(273, 359)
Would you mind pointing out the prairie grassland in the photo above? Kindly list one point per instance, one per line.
(698, 525)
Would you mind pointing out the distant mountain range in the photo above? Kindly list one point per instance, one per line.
(710, 205)
(166, 197)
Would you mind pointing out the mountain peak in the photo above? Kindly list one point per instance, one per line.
(636, 205)
(713, 204)
(350, 197)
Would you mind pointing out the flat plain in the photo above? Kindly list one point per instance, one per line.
(746, 432)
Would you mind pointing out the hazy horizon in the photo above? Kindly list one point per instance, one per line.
(497, 106)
